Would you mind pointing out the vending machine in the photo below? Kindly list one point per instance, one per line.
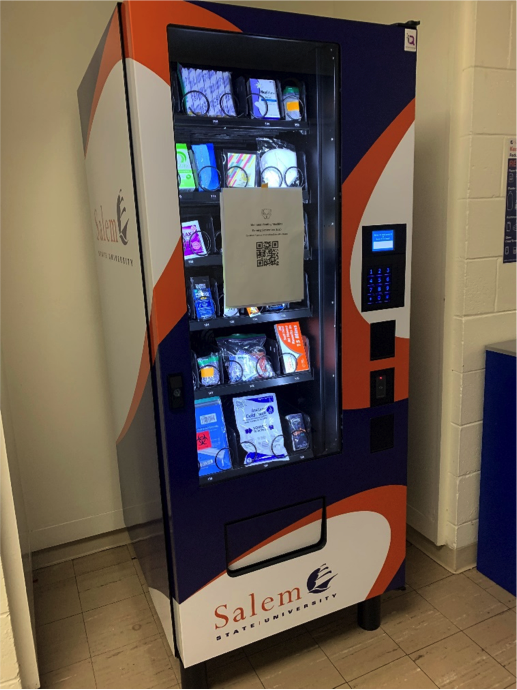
(250, 174)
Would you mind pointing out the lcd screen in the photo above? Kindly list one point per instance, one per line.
(383, 240)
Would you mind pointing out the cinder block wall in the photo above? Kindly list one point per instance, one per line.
(480, 289)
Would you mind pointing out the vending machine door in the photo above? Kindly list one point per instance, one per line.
(273, 167)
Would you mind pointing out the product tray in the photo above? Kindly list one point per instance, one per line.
(225, 322)
(235, 124)
(217, 259)
(208, 479)
(245, 387)
(197, 198)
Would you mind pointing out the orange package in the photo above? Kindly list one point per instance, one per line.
(292, 348)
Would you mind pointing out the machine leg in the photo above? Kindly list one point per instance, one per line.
(194, 676)
(369, 613)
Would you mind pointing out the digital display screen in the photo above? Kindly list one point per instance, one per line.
(383, 240)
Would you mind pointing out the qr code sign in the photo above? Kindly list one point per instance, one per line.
(267, 254)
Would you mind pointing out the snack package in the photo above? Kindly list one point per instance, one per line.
(230, 312)
(206, 167)
(193, 243)
(292, 347)
(260, 430)
(202, 297)
(277, 307)
(278, 163)
(209, 373)
(291, 101)
(253, 311)
(264, 99)
(185, 174)
(299, 435)
(241, 169)
(206, 92)
(213, 453)
(245, 357)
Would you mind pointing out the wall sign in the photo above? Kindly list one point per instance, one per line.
(510, 239)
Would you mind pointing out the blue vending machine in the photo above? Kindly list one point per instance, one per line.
(250, 174)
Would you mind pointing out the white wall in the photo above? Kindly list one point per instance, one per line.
(51, 338)
(480, 291)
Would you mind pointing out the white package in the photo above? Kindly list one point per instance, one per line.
(260, 430)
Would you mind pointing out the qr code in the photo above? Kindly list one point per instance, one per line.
(267, 254)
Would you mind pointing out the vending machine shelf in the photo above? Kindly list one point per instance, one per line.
(217, 259)
(232, 126)
(225, 321)
(246, 387)
(207, 198)
(235, 472)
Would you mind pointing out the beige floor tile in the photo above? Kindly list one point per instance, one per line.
(236, 674)
(274, 640)
(354, 651)
(395, 593)
(402, 673)
(462, 601)
(61, 644)
(477, 577)
(141, 575)
(413, 623)
(53, 573)
(512, 685)
(227, 658)
(343, 616)
(297, 663)
(78, 675)
(98, 578)
(457, 662)
(422, 570)
(119, 624)
(55, 601)
(142, 664)
(490, 586)
(345, 685)
(131, 550)
(101, 559)
(110, 593)
(497, 637)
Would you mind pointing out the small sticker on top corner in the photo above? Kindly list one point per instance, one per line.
(410, 40)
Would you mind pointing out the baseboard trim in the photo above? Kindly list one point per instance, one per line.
(76, 530)
(81, 547)
(454, 560)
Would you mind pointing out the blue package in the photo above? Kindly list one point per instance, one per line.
(213, 453)
(207, 173)
(202, 296)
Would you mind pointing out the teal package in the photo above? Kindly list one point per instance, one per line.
(207, 173)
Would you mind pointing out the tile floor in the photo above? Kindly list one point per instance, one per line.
(97, 628)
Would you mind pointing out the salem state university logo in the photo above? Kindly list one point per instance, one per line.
(111, 229)
(319, 580)
(122, 229)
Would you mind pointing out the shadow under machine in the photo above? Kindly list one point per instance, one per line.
(250, 176)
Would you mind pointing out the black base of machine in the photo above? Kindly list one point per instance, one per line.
(369, 613)
(194, 676)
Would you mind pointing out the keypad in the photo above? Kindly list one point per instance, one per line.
(378, 282)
